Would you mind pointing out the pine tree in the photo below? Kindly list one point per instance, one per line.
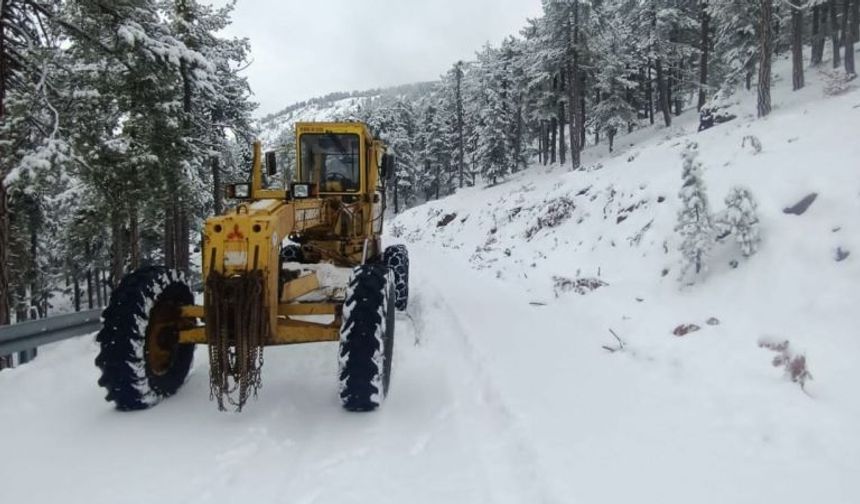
(695, 223)
(741, 219)
(613, 113)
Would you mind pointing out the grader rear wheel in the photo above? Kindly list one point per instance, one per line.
(396, 257)
(141, 359)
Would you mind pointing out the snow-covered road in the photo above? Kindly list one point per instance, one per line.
(494, 400)
(443, 435)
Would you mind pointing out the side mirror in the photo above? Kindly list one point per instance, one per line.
(271, 163)
(389, 167)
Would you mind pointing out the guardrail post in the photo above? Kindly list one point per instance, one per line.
(26, 356)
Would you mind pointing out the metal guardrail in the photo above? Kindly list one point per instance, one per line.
(35, 333)
(27, 336)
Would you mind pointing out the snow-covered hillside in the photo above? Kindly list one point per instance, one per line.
(277, 128)
(508, 385)
(703, 417)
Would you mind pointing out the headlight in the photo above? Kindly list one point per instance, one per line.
(301, 191)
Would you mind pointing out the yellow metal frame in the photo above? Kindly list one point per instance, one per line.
(288, 331)
(248, 237)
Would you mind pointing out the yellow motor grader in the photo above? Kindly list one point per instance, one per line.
(273, 274)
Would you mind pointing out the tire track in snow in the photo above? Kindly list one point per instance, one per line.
(510, 464)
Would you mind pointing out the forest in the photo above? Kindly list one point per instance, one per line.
(120, 121)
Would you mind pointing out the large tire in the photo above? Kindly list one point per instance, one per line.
(396, 257)
(367, 338)
(141, 360)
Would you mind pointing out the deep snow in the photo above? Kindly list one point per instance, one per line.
(502, 391)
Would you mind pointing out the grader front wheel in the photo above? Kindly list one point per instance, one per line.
(141, 359)
(367, 338)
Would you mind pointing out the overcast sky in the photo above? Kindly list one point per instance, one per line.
(303, 49)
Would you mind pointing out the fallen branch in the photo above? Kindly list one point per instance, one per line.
(620, 346)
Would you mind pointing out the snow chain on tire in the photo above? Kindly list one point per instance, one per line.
(396, 258)
(367, 338)
(126, 373)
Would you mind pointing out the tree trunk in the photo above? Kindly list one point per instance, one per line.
(848, 36)
(562, 144)
(89, 289)
(77, 290)
(169, 237)
(98, 286)
(553, 123)
(749, 75)
(855, 20)
(669, 86)
(663, 90)
(765, 52)
(518, 138)
(797, 79)
(35, 273)
(540, 144)
(650, 93)
(597, 128)
(22, 311)
(396, 200)
(184, 239)
(834, 33)
(438, 181)
(572, 118)
(583, 141)
(117, 249)
(461, 147)
(575, 91)
(817, 37)
(5, 298)
(134, 234)
(705, 55)
(547, 144)
(104, 285)
(217, 189)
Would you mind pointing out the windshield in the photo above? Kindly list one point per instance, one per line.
(331, 160)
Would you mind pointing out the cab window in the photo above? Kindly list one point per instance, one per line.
(332, 161)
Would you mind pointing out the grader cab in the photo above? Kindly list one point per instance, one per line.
(298, 264)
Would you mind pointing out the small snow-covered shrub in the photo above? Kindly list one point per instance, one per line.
(794, 365)
(754, 143)
(581, 286)
(554, 213)
(719, 109)
(397, 230)
(695, 223)
(837, 82)
(741, 220)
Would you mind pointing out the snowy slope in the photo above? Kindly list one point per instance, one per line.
(275, 129)
(699, 418)
(502, 391)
